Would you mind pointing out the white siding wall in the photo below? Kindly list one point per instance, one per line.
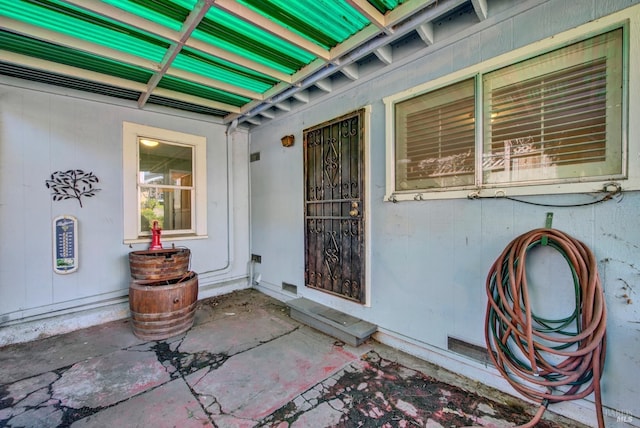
(430, 259)
(44, 129)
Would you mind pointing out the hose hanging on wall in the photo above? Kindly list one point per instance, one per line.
(523, 344)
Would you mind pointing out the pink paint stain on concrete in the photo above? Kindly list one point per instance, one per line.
(255, 383)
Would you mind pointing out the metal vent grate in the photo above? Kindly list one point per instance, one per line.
(290, 288)
(470, 350)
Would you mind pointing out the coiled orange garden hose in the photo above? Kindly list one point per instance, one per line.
(522, 344)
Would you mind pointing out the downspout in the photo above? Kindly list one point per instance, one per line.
(230, 248)
(252, 264)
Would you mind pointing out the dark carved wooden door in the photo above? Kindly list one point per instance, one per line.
(334, 217)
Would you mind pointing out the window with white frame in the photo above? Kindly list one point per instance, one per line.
(554, 118)
(435, 137)
(164, 182)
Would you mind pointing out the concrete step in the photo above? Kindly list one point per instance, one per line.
(348, 329)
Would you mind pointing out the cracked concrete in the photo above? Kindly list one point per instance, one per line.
(245, 363)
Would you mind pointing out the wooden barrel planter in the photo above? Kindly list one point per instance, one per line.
(161, 309)
(159, 264)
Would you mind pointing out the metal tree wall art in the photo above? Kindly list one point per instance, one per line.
(73, 183)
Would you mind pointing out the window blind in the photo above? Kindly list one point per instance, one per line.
(549, 117)
(436, 135)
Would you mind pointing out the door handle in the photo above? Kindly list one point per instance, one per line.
(354, 209)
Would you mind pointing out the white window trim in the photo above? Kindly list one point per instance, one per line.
(630, 19)
(130, 134)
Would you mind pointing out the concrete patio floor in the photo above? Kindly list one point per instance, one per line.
(245, 363)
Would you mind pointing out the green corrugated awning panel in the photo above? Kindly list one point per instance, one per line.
(225, 31)
(235, 35)
(167, 14)
(36, 75)
(180, 85)
(232, 52)
(74, 22)
(224, 71)
(50, 52)
(385, 6)
(324, 22)
(168, 102)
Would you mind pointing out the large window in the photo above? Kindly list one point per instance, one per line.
(164, 182)
(165, 186)
(553, 119)
(557, 116)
